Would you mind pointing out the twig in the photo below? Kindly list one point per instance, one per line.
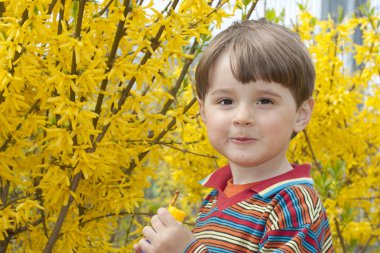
(75, 182)
(4, 193)
(129, 229)
(102, 11)
(141, 156)
(175, 197)
(114, 214)
(220, 4)
(340, 236)
(78, 29)
(179, 81)
(118, 35)
(336, 36)
(51, 6)
(62, 215)
(17, 54)
(250, 11)
(125, 92)
(312, 151)
(10, 137)
(186, 151)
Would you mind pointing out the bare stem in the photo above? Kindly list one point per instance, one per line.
(4, 192)
(102, 11)
(75, 181)
(312, 151)
(62, 215)
(179, 81)
(118, 35)
(340, 236)
(17, 54)
(250, 11)
(51, 6)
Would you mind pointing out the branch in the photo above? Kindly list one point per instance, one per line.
(102, 11)
(62, 215)
(39, 198)
(10, 137)
(2, 9)
(220, 4)
(250, 11)
(75, 182)
(17, 54)
(120, 213)
(312, 151)
(340, 236)
(11, 234)
(154, 45)
(118, 35)
(4, 193)
(13, 201)
(51, 6)
(184, 150)
(335, 54)
(61, 16)
(171, 145)
(129, 229)
(78, 29)
(179, 81)
(114, 214)
(171, 124)
(125, 92)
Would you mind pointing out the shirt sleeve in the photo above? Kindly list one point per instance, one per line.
(297, 223)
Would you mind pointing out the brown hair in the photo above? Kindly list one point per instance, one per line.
(260, 50)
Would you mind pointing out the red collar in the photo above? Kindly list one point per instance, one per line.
(299, 175)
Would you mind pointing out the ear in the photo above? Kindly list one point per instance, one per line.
(303, 115)
(201, 109)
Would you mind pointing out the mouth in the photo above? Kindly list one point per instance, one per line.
(243, 140)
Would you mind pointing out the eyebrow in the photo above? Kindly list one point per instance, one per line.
(220, 91)
(269, 92)
(259, 91)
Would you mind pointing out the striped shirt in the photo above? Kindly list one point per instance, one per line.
(281, 214)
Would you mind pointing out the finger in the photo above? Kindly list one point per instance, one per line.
(137, 248)
(145, 246)
(149, 233)
(157, 223)
(166, 218)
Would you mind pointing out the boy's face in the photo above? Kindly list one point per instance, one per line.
(251, 124)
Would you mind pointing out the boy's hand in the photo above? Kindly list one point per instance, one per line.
(165, 235)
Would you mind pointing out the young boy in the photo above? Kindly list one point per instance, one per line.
(254, 84)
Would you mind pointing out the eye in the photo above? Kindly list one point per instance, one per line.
(225, 101)
(264, 101)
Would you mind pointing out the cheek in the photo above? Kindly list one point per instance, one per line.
(277, 126)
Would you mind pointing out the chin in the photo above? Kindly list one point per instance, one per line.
(244, 163)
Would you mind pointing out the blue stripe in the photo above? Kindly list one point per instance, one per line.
(223, 223)
(238, 215)
(212, 249)
(296, 206)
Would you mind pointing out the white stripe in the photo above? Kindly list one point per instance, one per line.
(309, 202)
(248, 206)
(222, 236)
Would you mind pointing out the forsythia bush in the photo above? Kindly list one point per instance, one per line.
(99, 122)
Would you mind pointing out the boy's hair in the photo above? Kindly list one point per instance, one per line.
(260, 50)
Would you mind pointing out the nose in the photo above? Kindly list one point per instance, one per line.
(243, 116)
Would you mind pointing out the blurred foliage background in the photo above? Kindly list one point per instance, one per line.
(100, 125)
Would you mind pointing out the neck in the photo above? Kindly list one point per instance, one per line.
(250, 174)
